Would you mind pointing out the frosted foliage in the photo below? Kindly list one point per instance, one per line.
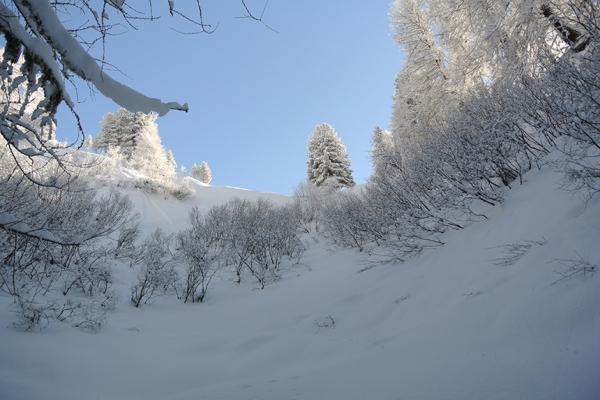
(381, 149)
(328, 163)
(88, 143)
(487, 90)
(134, 136)
(120, 131)
(14, 92)
(425, 59)
(150, 157)
(171, 160)
(202, 173)
(24, 124)
(455, 49)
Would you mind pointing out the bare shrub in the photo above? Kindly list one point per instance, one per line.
(67, 249)
(514, 251)
(242, 235)
(308, 205)
(157, 274)
(201, 254)
(574, 267)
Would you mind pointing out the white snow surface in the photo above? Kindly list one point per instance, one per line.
(447, 325)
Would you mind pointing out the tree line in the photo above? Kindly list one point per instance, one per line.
(487, 90)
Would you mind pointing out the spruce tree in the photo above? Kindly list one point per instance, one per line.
(328, 163)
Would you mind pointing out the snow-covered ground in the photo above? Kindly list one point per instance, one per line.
(451, 324)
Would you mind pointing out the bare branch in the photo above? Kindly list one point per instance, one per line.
(253, 17)
(574, 268)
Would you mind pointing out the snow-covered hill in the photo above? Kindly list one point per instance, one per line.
(452, 324)
(172, 215)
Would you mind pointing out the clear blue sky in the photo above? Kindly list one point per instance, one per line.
(256, 95)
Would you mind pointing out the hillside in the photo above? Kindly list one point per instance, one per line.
(452, 324)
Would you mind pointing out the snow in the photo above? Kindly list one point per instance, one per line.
(447, 325)
(7, 219)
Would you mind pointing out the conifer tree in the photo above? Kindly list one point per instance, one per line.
(135, 137)
(202, 173)
(382, 150)
(171, 160)
(328, 163)
(119, 131)
(88, 143)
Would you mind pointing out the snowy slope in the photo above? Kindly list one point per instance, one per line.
(448, 325)
(172, 215)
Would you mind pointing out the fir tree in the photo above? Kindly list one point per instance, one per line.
(328, 163)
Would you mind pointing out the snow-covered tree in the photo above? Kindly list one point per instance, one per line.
(150, 157)
(457, 48)
(120, 131)
(88, 143)
(56, 39)
(328, 162)
(171, 160)
(54, 54)
(426, 62)
(382, 149)
(134, 136)
(34, 127)
(485, 90)
(202, 173)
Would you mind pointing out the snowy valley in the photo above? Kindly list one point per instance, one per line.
(462, 266)
(451, 324)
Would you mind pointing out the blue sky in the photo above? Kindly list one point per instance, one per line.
(256, 95)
